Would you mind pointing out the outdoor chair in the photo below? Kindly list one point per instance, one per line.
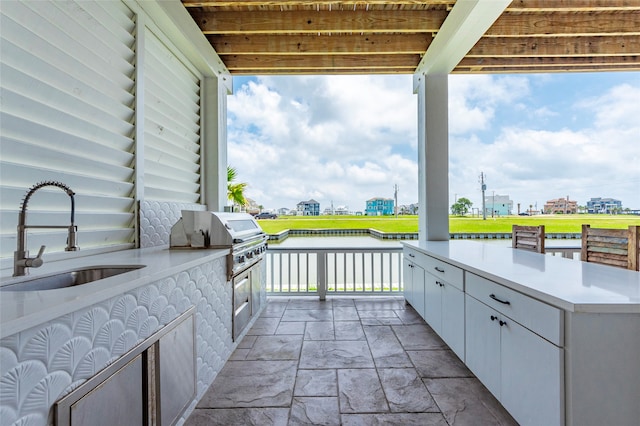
(529, 238)
(613, 247)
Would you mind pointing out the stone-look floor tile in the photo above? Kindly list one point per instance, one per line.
(395, 419)
(385, 347)
(239, 354)
(291, 327)
(438, 363)
(251, 384)
(378, 314)
(315, 411)
(316, 383)
(348, 330)
(247, 342)
(381, 321)
(466, 402)
(278, 347)
(335, 354)
(264, 326)
(310, 303)
(405, 391)
(274, 309)
(361, 391)
(345, 313)
(319, 330)
(340, 301)
(379, 304)
(308, 315)
(409, 316)
(418, 337)
(238, 416)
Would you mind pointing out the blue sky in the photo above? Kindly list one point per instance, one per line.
(345, 139)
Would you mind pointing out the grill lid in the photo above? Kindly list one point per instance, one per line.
(214, 229)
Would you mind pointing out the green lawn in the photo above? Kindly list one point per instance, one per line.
(553, 223)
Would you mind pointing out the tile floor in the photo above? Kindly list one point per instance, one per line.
(363, 361)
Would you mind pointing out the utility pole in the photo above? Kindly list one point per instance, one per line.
(395, 197)
(483, 186)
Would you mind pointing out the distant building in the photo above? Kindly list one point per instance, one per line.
(561, 206)
(283, 211)
(498, 205)
(603, 205)
(379, 207)
(408, 209)
(342, 211)
(308, 208)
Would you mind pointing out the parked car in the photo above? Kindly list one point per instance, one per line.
(265, 215)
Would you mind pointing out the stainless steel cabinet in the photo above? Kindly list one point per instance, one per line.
(152, 384)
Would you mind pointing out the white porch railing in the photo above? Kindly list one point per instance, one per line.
(348, 271)
(566, 252)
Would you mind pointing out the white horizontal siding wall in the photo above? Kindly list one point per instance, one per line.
(171, 125)
(68, 113)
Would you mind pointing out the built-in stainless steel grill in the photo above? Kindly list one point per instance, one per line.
(238, 232)
(247, 243)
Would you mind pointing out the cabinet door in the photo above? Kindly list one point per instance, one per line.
(433, 302)
(453, 319)
(418, 289)
(482, 344)
(531, 380)
(407, 276)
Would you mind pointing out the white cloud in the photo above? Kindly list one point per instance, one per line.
(347, 139)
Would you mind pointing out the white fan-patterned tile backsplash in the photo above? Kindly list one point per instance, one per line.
(40, 365)
(157, 218)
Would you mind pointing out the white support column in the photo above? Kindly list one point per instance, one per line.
(433, 158)
(214, 143)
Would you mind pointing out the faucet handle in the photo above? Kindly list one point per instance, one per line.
(37, 261)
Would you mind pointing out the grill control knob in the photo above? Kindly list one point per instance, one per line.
(241, 259)
(249, 255)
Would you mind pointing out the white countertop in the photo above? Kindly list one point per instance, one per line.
(20, 310)
(568, 284)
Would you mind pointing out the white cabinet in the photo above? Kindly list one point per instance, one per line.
(435, 290)
(413, 282)
(523, 370)
(444, 312)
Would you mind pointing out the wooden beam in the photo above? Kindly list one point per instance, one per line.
(291, 3)
(487, 63)
(572, 5)
(262, 62)
(319, 22)
(561, 23)
(333, 71)
(370, 44)
(565, 46)
(557, 69)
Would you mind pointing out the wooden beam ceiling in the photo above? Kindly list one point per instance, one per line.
(374, 36)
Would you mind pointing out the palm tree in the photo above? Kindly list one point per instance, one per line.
(235, 191)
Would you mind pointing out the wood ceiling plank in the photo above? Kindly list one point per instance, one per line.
(570, 24)
(565, 46)
(319, 22)
(290, 3)
(545, 62)
(572, 5)
(371, 44)
(533, 70)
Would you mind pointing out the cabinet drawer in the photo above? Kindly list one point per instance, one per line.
(442, 270)
(537, 316)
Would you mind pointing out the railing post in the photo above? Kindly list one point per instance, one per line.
(322, 275)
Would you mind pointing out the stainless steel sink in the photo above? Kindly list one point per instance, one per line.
(70, 278)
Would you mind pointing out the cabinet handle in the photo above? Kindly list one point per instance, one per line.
(410, 255)
(438, 269)
(504, 302)
(502, 323)
(493, 318)
(439, 283)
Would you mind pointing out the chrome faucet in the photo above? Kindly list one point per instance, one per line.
(21, 259)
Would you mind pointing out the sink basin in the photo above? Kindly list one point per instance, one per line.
(70, 278)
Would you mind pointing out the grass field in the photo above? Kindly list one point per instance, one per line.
(553, 223)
